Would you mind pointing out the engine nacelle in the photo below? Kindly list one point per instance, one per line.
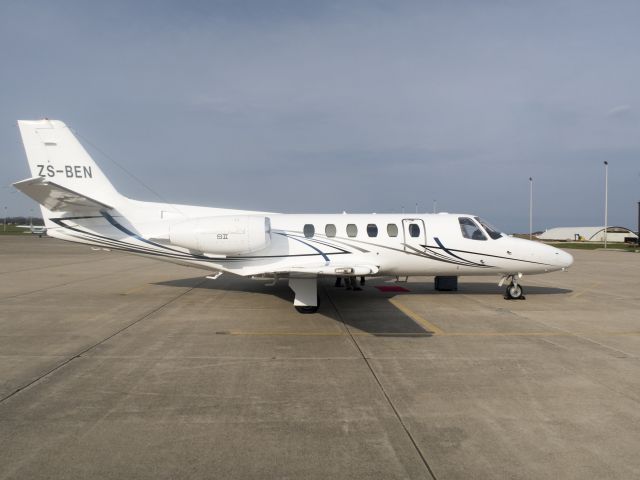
(225, 235)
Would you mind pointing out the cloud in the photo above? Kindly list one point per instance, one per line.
(275, 104)
(620, 111)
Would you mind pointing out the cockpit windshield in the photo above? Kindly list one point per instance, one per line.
(470, 229)
(490, 229)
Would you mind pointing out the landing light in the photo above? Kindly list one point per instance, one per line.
(344, 270)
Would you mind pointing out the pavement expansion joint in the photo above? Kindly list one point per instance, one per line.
(88, 349)
(387, 397)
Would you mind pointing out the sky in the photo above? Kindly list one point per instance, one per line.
(331, 106)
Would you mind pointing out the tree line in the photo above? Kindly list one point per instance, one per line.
(22, 220)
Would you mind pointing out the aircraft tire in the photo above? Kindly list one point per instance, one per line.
(514, 292)
(306, 309)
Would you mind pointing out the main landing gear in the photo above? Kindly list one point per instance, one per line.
(306, 308)
(514, 290)
(306, 294)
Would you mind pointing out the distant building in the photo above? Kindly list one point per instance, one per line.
(588, 234)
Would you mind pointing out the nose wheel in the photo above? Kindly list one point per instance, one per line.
(514, 291)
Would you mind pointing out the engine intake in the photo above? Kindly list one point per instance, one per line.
(225, 235)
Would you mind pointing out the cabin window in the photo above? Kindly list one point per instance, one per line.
(392, 230)
(372, 230)
(470, 229)
(490, 229)
(414, 230)
(309, 230)
(330, 230)
(352, 230)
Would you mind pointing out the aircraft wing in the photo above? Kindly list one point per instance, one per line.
(57, 198)
(315, 270)
(335, 270)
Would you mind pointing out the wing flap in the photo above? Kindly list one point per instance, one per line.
(335, 270)
(56, 198)
(313, 270)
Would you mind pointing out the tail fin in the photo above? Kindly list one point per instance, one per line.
(55, 155)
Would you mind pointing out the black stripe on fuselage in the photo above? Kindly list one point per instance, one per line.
(176, 254)
(454, 255)
(441, 258)
(125, 246)
(123, 229)
(492, 256)
(114, 242)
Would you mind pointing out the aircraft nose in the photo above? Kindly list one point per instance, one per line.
(561, 258)
(566, 259)
(544, 256)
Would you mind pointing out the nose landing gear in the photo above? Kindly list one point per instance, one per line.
(514, 290)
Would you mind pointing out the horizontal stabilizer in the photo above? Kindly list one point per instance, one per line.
(57, 198)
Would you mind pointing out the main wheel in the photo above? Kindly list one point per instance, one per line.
(513, 292)
(306, 309)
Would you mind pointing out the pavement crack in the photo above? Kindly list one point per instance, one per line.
(97, 344)
(53, 265)
(65, 284)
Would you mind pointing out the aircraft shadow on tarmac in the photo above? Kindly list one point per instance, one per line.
(369, 310)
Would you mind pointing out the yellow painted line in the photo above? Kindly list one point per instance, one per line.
(325, 334)
(435, 330)
(584, 290)
(135, 289)
(536, 334)
(291, 334)
(539, 334)
(442, 334)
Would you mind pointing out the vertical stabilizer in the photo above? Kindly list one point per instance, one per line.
(54, 153)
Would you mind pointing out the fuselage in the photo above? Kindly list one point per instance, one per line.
(325, 244)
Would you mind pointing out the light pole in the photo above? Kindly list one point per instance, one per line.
(606, 200)
(434, 205)
(530, 208)
(5, 219)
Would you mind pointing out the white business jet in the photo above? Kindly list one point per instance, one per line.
(34, 229)
(79, 204)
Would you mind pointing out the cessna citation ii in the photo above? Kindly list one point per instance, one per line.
(79, 204)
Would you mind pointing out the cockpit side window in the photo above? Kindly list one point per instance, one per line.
(490, 229)
(470, 229)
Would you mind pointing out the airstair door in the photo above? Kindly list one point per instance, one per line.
(415, 234)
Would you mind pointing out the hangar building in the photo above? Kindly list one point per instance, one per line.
(589, 234)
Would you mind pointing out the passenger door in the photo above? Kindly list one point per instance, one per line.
(415, 234)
